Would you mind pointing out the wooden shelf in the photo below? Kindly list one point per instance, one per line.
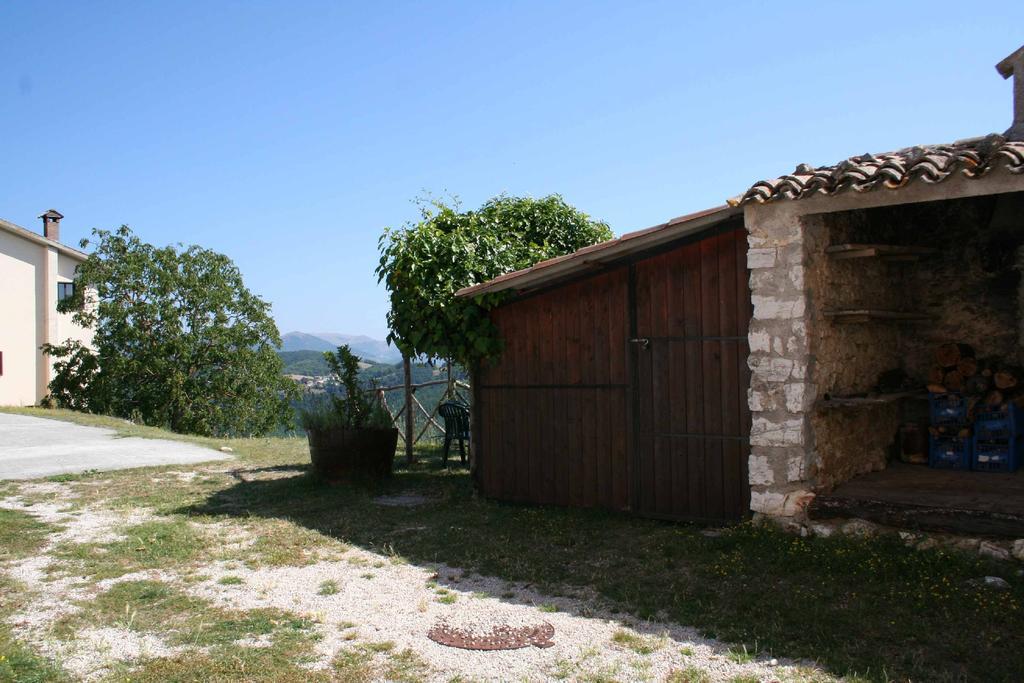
(886, 252)
(866, 315)
(869, 400)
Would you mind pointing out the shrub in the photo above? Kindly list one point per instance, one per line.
(353, 409)
(423, 265)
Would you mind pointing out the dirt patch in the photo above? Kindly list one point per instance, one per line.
(405, 500)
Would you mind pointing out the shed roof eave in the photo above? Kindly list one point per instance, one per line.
(582, 260)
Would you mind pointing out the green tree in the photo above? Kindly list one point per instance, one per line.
(424, 264)
(179, 341)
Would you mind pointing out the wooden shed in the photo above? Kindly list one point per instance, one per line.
(623, 382)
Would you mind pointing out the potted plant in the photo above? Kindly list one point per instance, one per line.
(350, 436)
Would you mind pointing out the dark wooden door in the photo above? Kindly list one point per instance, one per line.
(692, 425)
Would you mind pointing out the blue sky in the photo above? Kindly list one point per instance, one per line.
(288, 134)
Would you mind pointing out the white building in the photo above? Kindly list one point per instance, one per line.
(35, 272)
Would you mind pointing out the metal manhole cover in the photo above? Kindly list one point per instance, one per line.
(502, 637)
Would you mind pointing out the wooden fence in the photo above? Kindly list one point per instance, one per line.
(412, 406)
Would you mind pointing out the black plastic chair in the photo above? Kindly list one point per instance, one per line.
(456, 426)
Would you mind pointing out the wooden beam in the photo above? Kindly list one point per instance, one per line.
(410, 417)
(886, 252)
(864, 315)
(873, 399)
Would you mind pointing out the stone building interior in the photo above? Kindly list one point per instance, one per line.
(906, 303)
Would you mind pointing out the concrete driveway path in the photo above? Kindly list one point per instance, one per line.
(32, 447)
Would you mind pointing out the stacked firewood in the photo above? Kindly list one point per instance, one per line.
(989, 381)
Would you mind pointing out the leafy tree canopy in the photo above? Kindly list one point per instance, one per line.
(179, 341)
(424, 264)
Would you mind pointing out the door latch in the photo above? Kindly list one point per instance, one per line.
(642, 341)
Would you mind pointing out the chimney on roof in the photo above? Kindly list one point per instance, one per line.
(1014, 66)
(51, 224)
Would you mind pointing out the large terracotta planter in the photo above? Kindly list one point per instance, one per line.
(340, 455)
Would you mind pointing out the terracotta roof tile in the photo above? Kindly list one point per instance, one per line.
(891, 170)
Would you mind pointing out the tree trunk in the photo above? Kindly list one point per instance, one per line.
(450, 389)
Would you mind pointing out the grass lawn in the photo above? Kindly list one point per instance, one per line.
(865, 608)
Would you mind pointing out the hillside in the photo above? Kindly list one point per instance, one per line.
(310, 363)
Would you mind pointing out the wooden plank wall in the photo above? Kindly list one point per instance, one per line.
(553, 407)
(693, 305)
(573, 414)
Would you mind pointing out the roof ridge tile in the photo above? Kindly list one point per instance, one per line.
(974, 157)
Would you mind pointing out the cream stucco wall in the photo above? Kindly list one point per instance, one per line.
(21, 265)
(29, 273)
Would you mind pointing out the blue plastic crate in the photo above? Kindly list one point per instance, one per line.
(997, 424)
(947, 409)
(949, 452)
(989, 456)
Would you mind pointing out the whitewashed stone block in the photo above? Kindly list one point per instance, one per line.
(767, 502)
(770, 369)
(759, 340)
(777, 504)
(761, 258)
(767, 432)
(795, 345)
(796, 468)
(799, 396)
(799, 370)
(777, 231)
(772, 308)
(796, 276)
(760, 471)
(763, 280)
(756, 400)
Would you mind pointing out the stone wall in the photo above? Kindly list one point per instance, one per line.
(971, 286)
(780, 394)
(797, 355)
(848, 358)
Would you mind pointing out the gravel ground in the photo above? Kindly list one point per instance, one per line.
(386, 600)
(400, 603)
(93, 650)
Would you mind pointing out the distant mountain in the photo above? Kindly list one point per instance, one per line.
(365, 347)
(300, 341)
